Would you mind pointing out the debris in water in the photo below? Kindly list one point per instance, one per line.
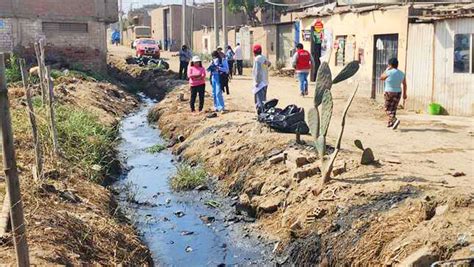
(201, 187)
(168, 201)
(188, 249)
(179, 214)
(207, 219)
(212, 203)
(187, 233)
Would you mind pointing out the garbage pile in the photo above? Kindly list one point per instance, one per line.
(287, 120)
(148, 61)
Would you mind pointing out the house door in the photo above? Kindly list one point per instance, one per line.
(285, 43)
(385, 47)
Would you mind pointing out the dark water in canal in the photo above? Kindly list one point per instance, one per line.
(177, 240)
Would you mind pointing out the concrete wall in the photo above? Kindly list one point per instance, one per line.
(196, 19)
(364, 26)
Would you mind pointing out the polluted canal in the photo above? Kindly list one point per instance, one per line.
(178, 227)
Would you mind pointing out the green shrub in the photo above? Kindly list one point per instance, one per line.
(188, 178)
(13, 71)
(155, 149)
(85, 143)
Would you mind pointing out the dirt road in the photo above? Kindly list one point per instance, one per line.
(427, 146)
(431, 147)
(380, 214)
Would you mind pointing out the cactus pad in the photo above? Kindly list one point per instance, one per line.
(326, 112)
(313, 122)
(367, 157)
(348, 71)
(358, 144)
(323, 83)
(321, 145)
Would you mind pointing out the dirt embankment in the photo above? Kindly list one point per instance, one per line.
(71, 218)
(368, 215)
(153, 83)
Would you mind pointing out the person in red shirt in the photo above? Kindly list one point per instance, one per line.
(197, 82)
(302, 62)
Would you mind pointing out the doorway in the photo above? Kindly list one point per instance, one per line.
(385, 47)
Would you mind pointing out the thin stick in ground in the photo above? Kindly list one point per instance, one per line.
(40, 72)
(11, 173)
(38, 171)
(52, 116)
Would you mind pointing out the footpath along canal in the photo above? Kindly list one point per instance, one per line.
(178, 227)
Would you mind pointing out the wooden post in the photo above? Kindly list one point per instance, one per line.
(11, 173)
(38, 171)
(52, 115)
(40, 72)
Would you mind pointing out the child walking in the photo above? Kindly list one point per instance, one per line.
(197, 82)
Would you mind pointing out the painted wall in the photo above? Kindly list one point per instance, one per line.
(196, 19)
(454, 91)
(364, 26)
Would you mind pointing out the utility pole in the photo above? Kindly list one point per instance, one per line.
(183, 22)
(224, 26)
(11, 173)
(216, 26)
(121, 22)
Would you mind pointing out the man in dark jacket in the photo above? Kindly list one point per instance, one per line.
(185, 56)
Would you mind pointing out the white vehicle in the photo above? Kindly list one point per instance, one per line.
(134, 43)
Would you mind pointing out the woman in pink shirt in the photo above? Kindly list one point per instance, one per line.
(197, 82)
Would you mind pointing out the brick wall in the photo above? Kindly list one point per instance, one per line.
(6, 35)
(85, 50)
(105, 10)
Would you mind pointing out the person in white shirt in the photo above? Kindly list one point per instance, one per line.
(260, 77)
(239, 58)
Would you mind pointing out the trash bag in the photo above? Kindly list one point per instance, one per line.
(287, 120)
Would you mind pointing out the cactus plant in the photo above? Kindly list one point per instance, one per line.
(348, 71)
(326, 112)
(323, 83)
(319, 121)
(367, 153)
(313, 122)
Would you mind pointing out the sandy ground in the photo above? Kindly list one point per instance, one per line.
(375, 215)
(432, 147)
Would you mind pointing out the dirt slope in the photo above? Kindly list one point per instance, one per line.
(71, 220)
(371, 215)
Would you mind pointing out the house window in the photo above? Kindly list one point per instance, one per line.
(341, 50)
(65, 27)
(463, 53)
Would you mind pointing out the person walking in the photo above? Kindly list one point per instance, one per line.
(214, 69)
(197, 82)
(239, 58)
(302, 61)
(224, 72)
(230, 58)
(184, 58)
(393, 80)
(260, 77)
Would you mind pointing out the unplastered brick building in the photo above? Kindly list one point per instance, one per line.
(74, 30)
